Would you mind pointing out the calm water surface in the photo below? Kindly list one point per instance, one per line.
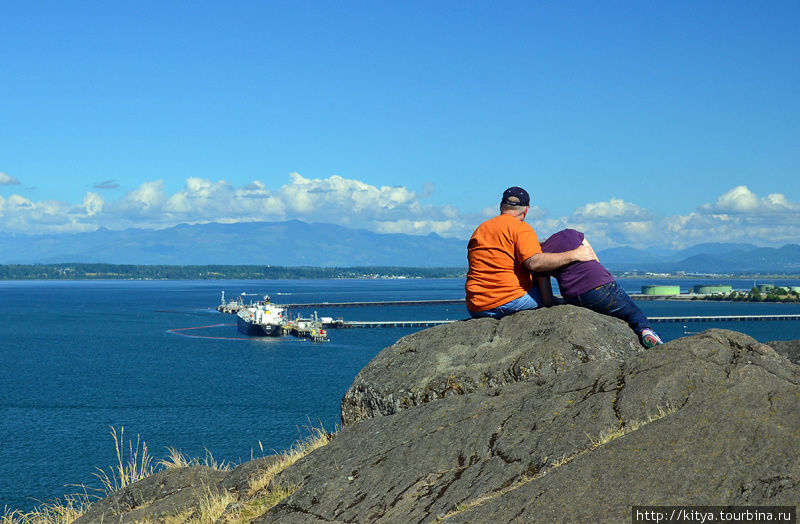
(80, 357)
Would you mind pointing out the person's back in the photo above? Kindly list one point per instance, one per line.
(495, 253)
(589, 284)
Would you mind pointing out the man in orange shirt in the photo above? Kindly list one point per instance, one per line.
(502, 253)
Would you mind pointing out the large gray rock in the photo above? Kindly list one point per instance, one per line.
(175, 495)
(458, 358)
(710, 419)
(166, 494)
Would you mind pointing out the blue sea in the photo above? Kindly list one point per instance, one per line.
(77, 358)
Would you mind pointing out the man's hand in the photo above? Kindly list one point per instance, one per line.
(584, 252)
(586, 243)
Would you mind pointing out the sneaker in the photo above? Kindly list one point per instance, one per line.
(649, 338)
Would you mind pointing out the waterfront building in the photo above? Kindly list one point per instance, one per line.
(711, 289)
(661, 290)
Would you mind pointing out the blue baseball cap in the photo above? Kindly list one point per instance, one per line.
(516, 196)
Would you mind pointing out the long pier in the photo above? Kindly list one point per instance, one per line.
(724, 318)
(232, 307)
(374, 304)
(386, 323)
(429, 323)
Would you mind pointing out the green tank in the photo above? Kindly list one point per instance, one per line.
(766, 287)
(661, 290)
(711, 289)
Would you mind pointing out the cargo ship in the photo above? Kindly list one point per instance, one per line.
(261, 318)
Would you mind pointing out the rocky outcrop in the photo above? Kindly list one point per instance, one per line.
(708, 419)
(174, 495)
(164, 494)
(544, 416)
(459, 358)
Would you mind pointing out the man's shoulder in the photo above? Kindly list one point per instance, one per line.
(505, 224)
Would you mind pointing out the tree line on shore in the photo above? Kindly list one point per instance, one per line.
(777, 294)
(99, 271)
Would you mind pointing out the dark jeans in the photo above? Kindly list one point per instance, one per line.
(610, 299)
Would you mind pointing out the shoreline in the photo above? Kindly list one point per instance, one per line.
(377, 277)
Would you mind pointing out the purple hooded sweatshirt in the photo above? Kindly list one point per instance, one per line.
(579, 277)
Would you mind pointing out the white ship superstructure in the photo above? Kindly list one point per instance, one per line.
(261, 318)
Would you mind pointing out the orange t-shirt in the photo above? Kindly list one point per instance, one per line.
(496, 253)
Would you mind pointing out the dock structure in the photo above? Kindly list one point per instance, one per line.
(428, 323)
(314, 334)
(232, 307)
(373, 304)
(386, 323)
(313, 329)
(723, 318)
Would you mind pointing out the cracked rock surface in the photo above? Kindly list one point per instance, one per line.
(458, 358)
(708, 419)
(788, 348)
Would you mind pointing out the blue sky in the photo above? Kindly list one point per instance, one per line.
(641, 123)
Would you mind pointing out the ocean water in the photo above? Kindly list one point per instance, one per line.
(77, 358)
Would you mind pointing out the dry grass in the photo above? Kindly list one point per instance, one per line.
(128, 469)
(610, 434)
(134, 463)
(260, 497)
(176, 459)
(212, 506)
(63, 511)
(258, 506)
(317, 438)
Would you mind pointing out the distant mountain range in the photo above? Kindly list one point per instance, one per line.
(706, 258)
(292, 243)
(296, 243)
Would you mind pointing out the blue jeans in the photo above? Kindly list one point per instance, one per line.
(530, 300)
(610, 299)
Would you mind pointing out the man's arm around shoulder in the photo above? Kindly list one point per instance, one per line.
(541, 262)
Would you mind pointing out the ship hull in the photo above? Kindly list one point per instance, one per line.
(257, 330)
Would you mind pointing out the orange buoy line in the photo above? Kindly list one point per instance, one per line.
(180, 331)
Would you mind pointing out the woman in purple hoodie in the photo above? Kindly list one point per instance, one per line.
(590, 285)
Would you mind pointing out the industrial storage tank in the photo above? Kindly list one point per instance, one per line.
(710, 289)
(766, 287)
(661, 290)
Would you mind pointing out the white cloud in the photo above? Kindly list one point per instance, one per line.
(142, 201)
(335, 199)
(736, 215)
(304, 195)
(22, 215)
(93, 203)
(606, 224)
(741, 201)
(415, 227)
(615, 209)
(8, 180)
